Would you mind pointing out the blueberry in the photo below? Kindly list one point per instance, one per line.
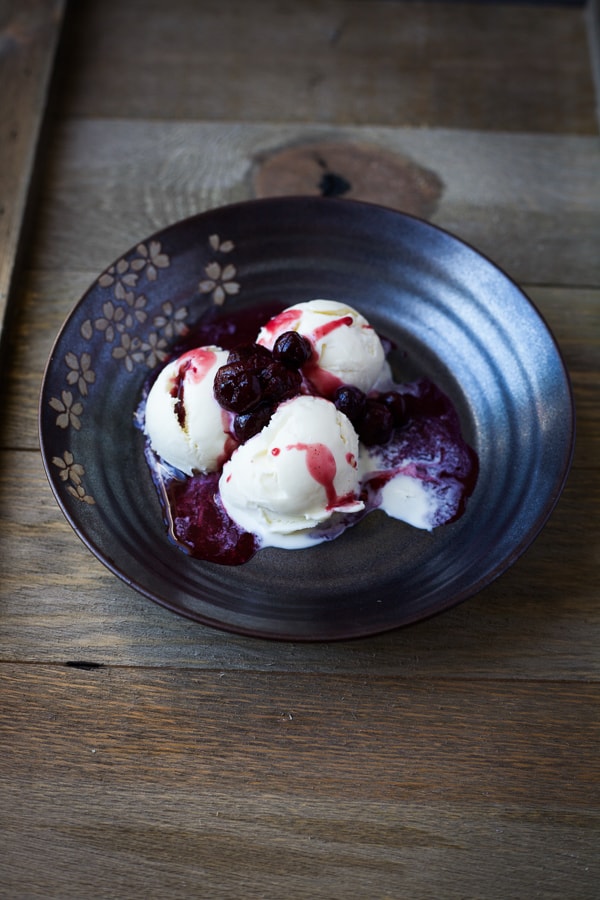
(278, 383)
(351, 401)
(292, 349)
(246, 425)
(252, 377)
(397, 406)
(252, 355)
(376, 424)
(237, 388)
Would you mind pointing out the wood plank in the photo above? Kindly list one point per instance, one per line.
(149, 783)
(270, 845)
(499, 67)
(574, 318)
(29, 34)
(112, 183)
(483, 746)
(540, 620)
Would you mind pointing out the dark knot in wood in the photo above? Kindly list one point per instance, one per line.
(351, 170)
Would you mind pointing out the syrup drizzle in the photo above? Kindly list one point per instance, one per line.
(285, 321)
(323, 330)
(321, 466)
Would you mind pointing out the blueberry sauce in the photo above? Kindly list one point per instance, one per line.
(198, 521)
(430, 449)
(322, 382)
(410, 438)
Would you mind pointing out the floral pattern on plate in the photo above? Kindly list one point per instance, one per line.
(136, 336)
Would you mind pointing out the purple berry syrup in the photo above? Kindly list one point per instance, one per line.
(427, 446)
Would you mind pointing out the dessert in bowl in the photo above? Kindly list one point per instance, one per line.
(452, 319)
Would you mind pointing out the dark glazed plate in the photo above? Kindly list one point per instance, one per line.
(455, 318)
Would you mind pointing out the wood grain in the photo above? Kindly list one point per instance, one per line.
(297, 782)
(257, 726)
(270, 845)
(497, 67)
(508, 195)
(29, 34)
(539, 621)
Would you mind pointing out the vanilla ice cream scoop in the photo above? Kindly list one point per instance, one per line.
(294, 474)
(185, 425)
(346, 348)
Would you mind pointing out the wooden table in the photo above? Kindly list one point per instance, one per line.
(143, 755)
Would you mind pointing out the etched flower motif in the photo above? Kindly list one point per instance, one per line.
(129, 351)
(78, 491)
(80, 372)
(171, 321)
(219, 282)
(87, 330)
(121, 316)
(121, 276)
(220, 246)
(150, 259)
(71, 471)
(69, 411)
(155, 350)
(137, 312)
(111, 321)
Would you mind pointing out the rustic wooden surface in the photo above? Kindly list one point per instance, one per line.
(29, 33)
(143, 755)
